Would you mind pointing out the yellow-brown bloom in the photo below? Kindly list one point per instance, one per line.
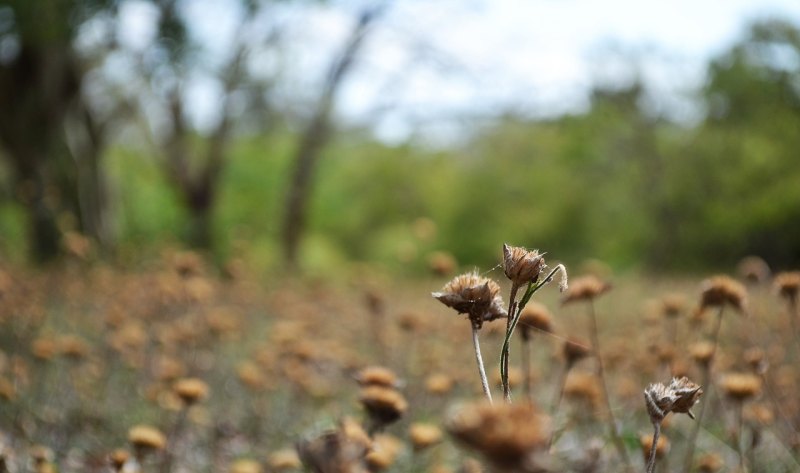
(190, 390)
(146, 437)
(377, 376)
(522, 266)
(423, 436)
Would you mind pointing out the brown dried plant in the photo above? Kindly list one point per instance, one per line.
(679, 396)
(479, 298)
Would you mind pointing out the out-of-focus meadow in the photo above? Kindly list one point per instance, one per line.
(207, 264)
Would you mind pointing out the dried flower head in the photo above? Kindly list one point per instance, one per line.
(439, 383)
(474, 295)
(679, 396)
(145, 437)
(721, 290)
(585, 388)
(672, 305)
(759, 415)
(740, 386)
(534, 316)
(423, 436)
(522, 266)
(377, 376)
(508, 435)
(788, 285)
(710, 463)
(757, 359)
(702, 352)
(335, 451)
(753, 269)
(585, 288)
(384, 452)
(190, 390)
(384, 405)
(283, 460)
(646, 442)
(118, 458)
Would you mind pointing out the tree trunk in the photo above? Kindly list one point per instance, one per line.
(315, 137)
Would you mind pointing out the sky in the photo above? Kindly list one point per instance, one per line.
(430, 64)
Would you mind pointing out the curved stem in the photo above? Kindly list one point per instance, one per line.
(512, 307)
(651, 462)
(479, 359)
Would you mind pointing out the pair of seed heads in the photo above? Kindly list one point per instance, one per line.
(679, 396)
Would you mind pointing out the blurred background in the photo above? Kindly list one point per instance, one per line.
(411, 135)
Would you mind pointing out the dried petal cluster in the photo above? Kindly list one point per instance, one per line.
(522, 266)
(508, 435)
(585, 288)
(336, 451)
(534, 316)
(475, 295)
(741, 386)
(721, 290)
(679, 396)
(788, 284)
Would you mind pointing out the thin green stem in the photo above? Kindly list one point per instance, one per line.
(514, 311)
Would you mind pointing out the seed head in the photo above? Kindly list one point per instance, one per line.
(190, 390)
(741, 386)
(788, 285)
(753, 269)
(118, 458)
(585, 288)
(424, 435)
(702, 352)
(672, 305)
(508, 435)
(439, 383)
(721, 290)
(145, 437)
(522, 266)
(474, 295)
(384, 405)
(384, 452)
(680, 396)
(710, 463)
(534, 316)
(377, 376)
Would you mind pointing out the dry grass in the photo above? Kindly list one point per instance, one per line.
(190, 372)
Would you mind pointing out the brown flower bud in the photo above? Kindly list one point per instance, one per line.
(522, 266)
